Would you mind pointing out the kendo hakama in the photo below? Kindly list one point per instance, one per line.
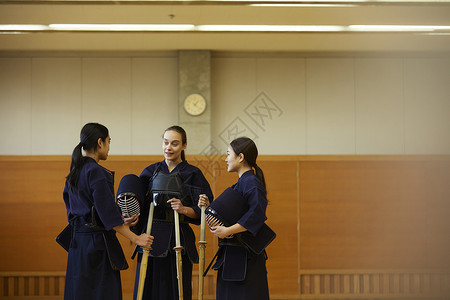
(242, 274)
(94, 249)
(161, 280)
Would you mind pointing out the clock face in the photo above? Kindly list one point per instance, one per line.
(195, 104)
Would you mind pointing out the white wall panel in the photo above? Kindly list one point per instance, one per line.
(56, 105)
(154, 102)
(379, 106)
(283, 80)
(427, 106)
(106, 98)
(233, 82)
(330, 106)
(15, 106)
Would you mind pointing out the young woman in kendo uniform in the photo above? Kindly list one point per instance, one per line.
(95, 256)
(242, 274)
(161, 277)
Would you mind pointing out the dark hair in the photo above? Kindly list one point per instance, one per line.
(90, 133)
(181, 131)
(248, 148)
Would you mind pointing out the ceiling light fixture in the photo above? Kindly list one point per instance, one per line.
(396, 28)
(121, 27)
(30, 28)
(271, 28)
(22, 27)
(301, 5)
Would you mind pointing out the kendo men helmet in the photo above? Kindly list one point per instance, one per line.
(130, 195)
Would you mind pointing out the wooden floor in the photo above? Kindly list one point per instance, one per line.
(315, 285)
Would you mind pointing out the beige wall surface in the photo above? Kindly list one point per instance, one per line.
(44, 102)
(288, 104)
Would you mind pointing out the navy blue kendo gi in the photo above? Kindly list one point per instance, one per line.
(241, 273)
(94, 250)
(161, 279)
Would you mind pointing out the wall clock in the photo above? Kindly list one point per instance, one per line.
(195, 104)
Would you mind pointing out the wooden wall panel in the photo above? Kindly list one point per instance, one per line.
(282, 214)
(375, 215)
(335, 217)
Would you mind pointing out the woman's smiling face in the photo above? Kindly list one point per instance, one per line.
(232, 160)
(173, 145)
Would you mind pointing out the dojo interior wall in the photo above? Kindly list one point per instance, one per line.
(338, 104)
(356, 159)
(333, 214)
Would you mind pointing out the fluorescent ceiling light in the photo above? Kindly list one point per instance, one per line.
(271, 28)
(122, 27)
(436, 33)
(29, 28)
(396, 28)
(22, 27)
(301, 5)
(324, 28)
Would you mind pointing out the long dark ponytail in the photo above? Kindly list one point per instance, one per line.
(183, 134)
(248, 148)
(90, 133)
